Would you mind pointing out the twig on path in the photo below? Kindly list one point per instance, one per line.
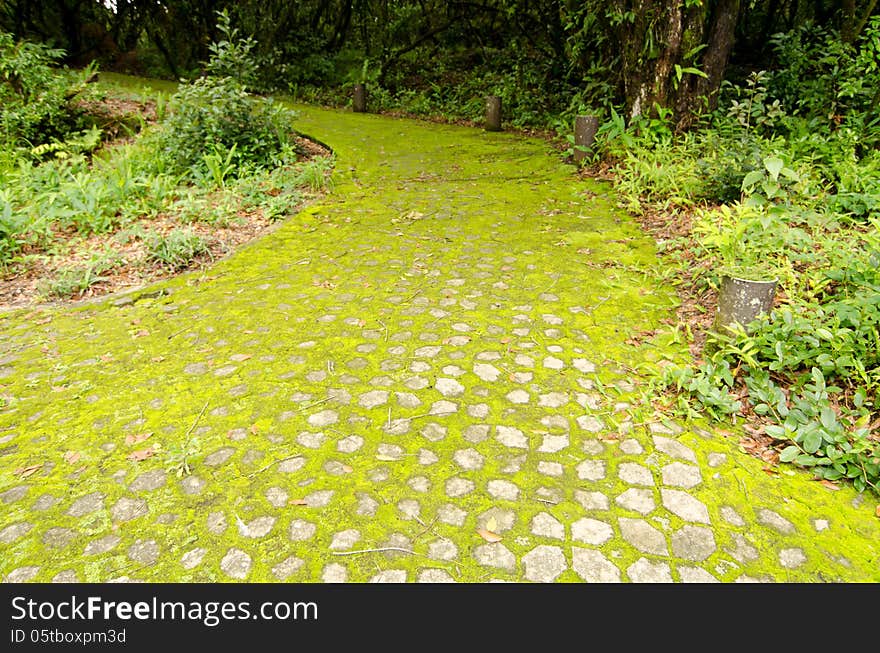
(409, 419)
(267, 466)
(384, 327)
(315, 403)
(413, 296)
(427, 527)
(379, 550)
(177, 333)
(191, 428)
(547, 501)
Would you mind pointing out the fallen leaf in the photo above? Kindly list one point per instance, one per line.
(298, 502)
(829, 484)
(157, 359)
(24, 472)
(141, 334)
(362, 323)
(141, 454)
(491, 524)
(489, 536)
(71, 457)
(348, 469)
(107, 357)
(45, 320)
(254, 429)
(135, 439)
(240, 358)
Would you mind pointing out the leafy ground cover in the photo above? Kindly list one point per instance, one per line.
(111, 185)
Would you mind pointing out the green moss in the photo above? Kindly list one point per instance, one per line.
(242, 354)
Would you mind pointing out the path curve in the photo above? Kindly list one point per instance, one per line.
(441, 351)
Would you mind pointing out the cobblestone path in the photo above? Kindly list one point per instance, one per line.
(429, 377)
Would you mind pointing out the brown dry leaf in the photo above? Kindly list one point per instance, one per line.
(362, 323)
(157, 359)
(135, 439)
(829, 484)
(141, 334)
(298, 502)
(45, 320)
(877, 510)
(24, 472)
(348, 469)
(107, 357)
(489, 536)
(254, 429)
(71, 457)
(141, 454)
(240, 358)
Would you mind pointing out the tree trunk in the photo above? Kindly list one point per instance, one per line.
(156, 38)
(857, 30)
(847, 20)
(654, 42)
(696, 93)
(650, 46)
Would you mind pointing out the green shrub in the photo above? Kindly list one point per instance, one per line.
(215, 129)
(177, 250)
(35, 105)
(74, 280)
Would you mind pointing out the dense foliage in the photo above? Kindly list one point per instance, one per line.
(548, 59)
(783, 181)
(215, 126)
(216, 152)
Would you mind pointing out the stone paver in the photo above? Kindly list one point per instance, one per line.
(437, 357)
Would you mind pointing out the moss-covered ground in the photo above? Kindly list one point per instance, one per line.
(432, 375)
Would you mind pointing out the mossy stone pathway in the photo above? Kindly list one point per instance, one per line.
(444, 346)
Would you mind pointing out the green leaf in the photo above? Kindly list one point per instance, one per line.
(788, 173)
(694, 71)
(774, 166)
(831, 474)
(824, 333)
(752, 178)
(788, 454)
(828, 419)
(775, 431)
(812, 441)
(806, 461)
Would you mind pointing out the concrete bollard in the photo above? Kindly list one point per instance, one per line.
(742, 300)
(493, 113)
(585, 128)
(359, 102)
